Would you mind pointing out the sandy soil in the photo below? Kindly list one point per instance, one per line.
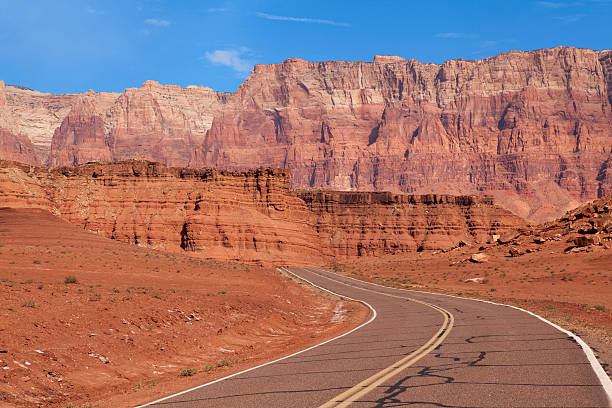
(573, 290)
(86, 320)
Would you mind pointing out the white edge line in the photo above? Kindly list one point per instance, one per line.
(374, 314)
(604, 379)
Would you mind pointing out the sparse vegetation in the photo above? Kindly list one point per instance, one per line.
(224, 363)
(70, 279)
(188, 372)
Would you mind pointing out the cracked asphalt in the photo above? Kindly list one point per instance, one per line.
(493, 356)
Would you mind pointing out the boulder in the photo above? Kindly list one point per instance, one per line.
(513, 252)
(479, 258)
(583, 241)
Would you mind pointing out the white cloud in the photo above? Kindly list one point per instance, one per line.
(550, 4)
(301, 20)
(570, 19)
(234, 59)
(558, 4)
(91, 10)
(157, 22)
(455, 35)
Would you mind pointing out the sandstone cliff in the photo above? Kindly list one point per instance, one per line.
(247, 215)
(13, 145)
(505, 125)
(534, 129)
(377, 223)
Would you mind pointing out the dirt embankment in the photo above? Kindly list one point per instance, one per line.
(84, 319)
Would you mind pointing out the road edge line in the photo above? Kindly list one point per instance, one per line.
(197, 387)
(603, 377)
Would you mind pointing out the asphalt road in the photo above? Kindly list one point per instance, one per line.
(423, 350)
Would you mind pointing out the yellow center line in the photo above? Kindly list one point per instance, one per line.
(353, 394)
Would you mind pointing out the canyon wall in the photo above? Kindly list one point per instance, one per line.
(513, 126)
(533, 129)
(246, 215)
(376, 223)
(13, 145)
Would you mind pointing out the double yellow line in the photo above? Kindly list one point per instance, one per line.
(353, 394)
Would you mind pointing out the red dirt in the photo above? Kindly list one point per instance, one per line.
(137, 317)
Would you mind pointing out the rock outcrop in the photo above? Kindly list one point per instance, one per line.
(377, 223)
(155, 122)
(13, 145)
(248, 215)
(36, 115)
(533, 129)
(585, 228)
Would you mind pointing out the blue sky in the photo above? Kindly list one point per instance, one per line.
(67, 46)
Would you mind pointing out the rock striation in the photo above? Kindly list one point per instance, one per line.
(13, 145)
(533, 129)
(247, 215)
(378, 223)
(511, 125)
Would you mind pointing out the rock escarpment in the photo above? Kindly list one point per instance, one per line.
(534, 129)
(247, 215)
(13, 145)
(156, 122)
(510, 125)
(377, 223)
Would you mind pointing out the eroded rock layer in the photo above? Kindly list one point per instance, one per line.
(247, 215)
(510, 125)
(371, 224)
(534, 129)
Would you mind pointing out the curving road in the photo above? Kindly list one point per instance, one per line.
(418, 349)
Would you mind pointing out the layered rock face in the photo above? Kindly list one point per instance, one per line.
(36, 116)
(13, 145)
(164, 123)
(534, 129)
(218, 214)
(155, 122)
(509, 125)
(377, 223)
(247, 215)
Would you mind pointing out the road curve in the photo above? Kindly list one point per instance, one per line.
(418, 349)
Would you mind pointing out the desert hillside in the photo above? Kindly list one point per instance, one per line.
(87, 321)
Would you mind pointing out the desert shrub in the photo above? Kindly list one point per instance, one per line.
(224, 363)
(188, 372)
(71, 279)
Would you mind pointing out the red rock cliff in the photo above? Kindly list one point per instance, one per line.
(13, 145)
(372, 224)
(534, 129)
(511, 125)
(247, 215)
